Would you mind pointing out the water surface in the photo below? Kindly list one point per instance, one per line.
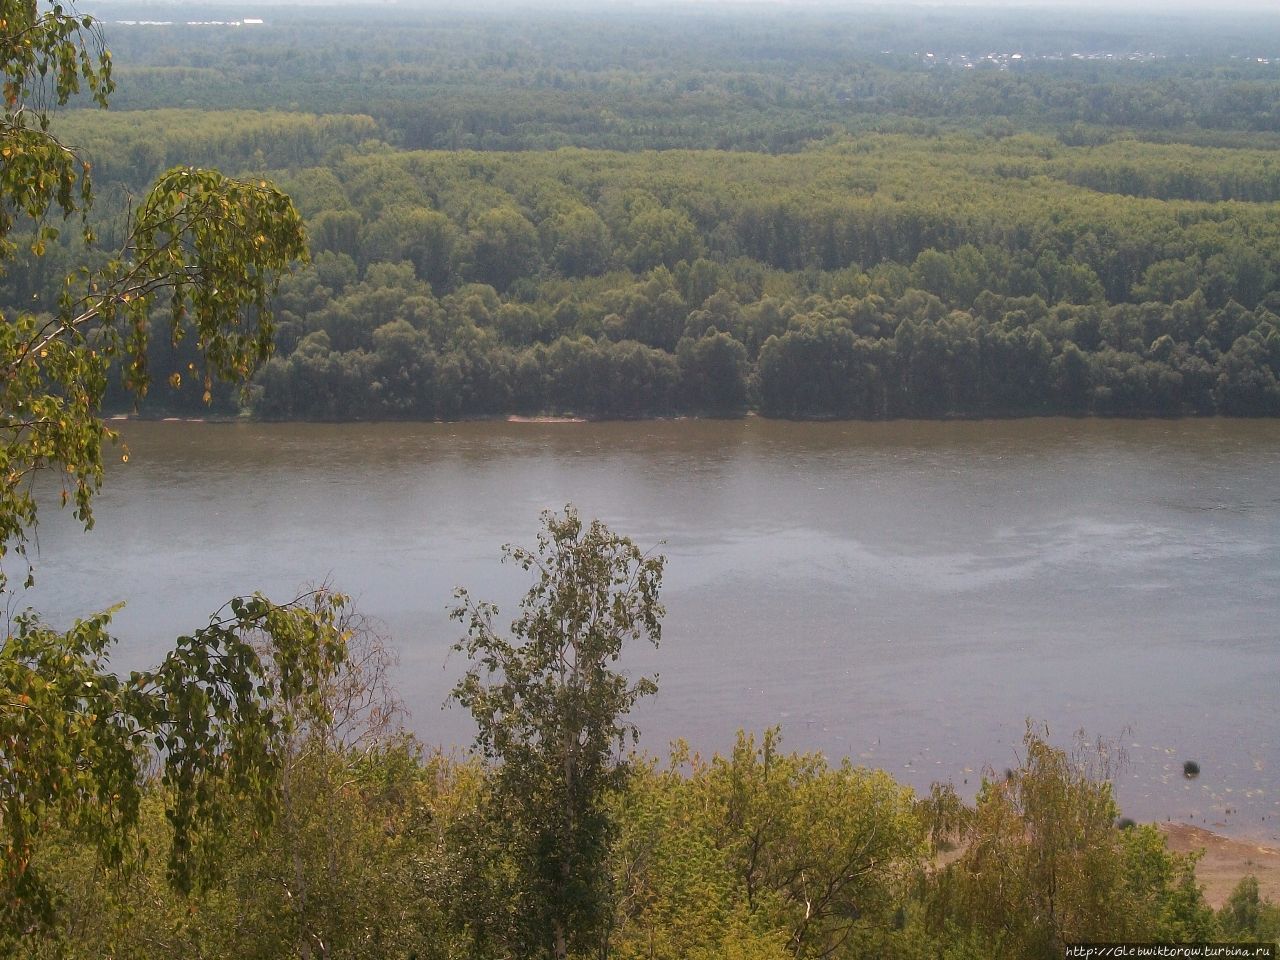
(905, 593)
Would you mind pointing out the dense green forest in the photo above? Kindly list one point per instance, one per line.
(728, 77)
(631, 213)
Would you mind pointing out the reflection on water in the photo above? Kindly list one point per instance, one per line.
(903, 593)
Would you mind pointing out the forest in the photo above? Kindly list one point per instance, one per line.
(654, 213)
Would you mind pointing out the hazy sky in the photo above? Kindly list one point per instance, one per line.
(1154, 6)
(1181, 9)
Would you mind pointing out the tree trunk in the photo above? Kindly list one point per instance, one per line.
(559, 947)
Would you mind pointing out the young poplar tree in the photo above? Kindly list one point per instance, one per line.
(551, 710)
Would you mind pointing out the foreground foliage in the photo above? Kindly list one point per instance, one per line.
(1044, 865)
(755, 854)
(79, 745)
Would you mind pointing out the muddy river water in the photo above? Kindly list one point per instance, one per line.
(907, 594)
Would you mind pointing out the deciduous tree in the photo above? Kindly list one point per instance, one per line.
(551, 708)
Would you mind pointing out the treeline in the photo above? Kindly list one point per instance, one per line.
(387, 349)
(1171, 172)
(881, 276)
(615, 285)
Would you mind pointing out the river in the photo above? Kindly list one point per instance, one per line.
(906, 594)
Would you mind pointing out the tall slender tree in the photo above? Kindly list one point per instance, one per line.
(551, 707)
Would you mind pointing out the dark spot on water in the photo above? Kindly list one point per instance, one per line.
(1191, 769)
(1125, 823)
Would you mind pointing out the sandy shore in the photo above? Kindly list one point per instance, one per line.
(1226, 861)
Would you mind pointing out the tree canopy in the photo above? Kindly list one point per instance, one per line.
(652, 213)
